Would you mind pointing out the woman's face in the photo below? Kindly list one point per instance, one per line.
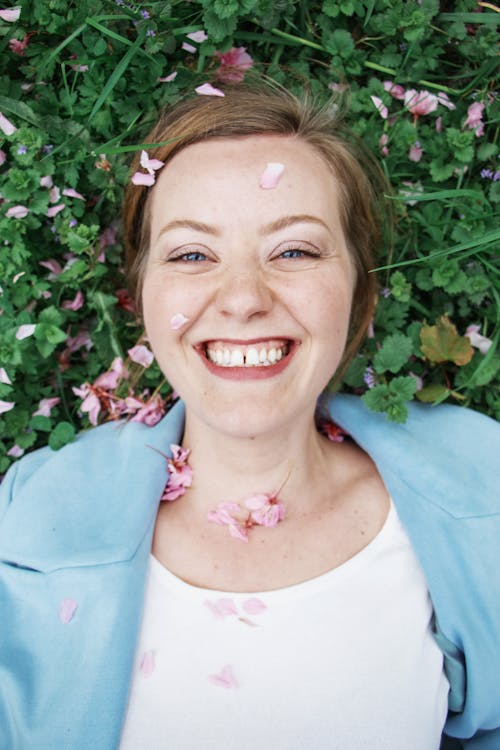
(263, 276)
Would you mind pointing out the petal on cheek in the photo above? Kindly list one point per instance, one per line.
(177, 321)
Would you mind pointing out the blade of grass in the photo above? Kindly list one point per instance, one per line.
(112, 34)
(439, 195)
(20, 109)
(59, 48)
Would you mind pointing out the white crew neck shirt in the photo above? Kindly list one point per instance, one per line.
(343, 661)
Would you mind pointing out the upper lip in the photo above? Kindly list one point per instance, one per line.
(245, 342)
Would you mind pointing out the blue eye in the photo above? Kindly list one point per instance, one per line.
(295, 253)
(193, 257)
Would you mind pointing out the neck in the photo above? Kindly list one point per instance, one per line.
(228, 468)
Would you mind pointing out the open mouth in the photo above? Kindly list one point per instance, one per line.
(255, 354)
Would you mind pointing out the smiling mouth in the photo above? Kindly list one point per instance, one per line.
(255, 354)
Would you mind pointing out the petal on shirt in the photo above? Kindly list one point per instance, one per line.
(147, 665)
(254, 606)
(225, 678)
(67, 609)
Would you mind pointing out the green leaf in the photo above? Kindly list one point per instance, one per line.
(393, 354)
(62, 434)
(400, 287)
(442, 343)
(435, 392)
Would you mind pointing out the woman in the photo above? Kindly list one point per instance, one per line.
(297, 592)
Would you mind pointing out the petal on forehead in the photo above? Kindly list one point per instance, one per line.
(270, 177)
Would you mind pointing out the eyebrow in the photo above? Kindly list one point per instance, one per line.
(275, 226)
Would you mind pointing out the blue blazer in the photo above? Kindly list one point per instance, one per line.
(78, 523)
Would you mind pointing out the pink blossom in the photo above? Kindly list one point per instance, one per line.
(67, 610)
(177, 321)
(221, 608)
(24, 331)
(332, 431)
(73, 194)
(17, 46)
(415, 152)
(151, 413)
(45, 406)
(474, 119)
(15, 451)
(254, 606)
(109, 380)
(17, 212)
(225, 678)
(90, 404)
(477, 340)
(382, 142)
(383, 111)
(6, 406)
(74, 304)
(54, 194)
(188, 48)
(168, 79)
(54, 210)
(233, 64)
(151, 166)
(394, 89)
(143, 178)
(82, 339)
(10, 14)
(206, 89)
(4, 378)
(197, 36)
(180, 474)
(53, 265)
(444, 100)
(141, 355)
(266, 510)
(223, 516)
(271, 175)
(420, 102)
(3, 157)
(6, 126)
(147, 663)
(47, 182)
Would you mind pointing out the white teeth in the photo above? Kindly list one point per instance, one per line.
(251, 357)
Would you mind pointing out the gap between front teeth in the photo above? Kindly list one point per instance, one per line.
(253, 357)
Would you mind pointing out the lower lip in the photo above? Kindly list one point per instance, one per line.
(249, 373)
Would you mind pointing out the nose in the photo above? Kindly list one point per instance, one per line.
(244, 294)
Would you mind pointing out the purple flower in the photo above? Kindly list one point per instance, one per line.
(145, 14)
(22, 150)
(150, 32)
(369, 377)
(385, 292)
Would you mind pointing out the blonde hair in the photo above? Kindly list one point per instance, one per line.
(247, 110)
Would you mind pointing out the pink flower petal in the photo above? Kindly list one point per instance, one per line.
(54, 210)
(24, 331)
(74, 304)
(168, 79)
(197, 36)
(73, 194)
(238, 532)
(53, 265)
(46, 181)
(148, 663)
(257, 501)
(141, 355)
(254, 606)
(188, 48)
(206, 89)
(177, 321)
(18, 276)
(150, 164)
(67, 609)
(10, 14)
(3, 157)
(383, 111)
(15, 451)
(6, 126)
(477, 340)
(140, 178)
(54, 194)
(4, 378)
(270, 177)
(225, 678)
(45, 406)
(6, 406)
(221, 608)
(17, 212)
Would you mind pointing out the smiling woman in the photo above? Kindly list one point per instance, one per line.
(339, 606)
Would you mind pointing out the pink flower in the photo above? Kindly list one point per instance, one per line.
(271, 175)
(82, 339)
(151, 166)
(168, 79)
(15, 451)
(109, 380)
(11, 15)
(332, 431)
(6, 126)
(151, 413)
(382, 142)
(24, 331)
(180, 474)
(147, 663)
(420, 102)
(233, 64)
(53, 265)
(47, 182)
(67, 609)
(54, 210)
(439, 124)
(6, 406)
(478, 341)
(54, 194)
(74, 304)
(415, 152)
(90, 404)
(223, 516)
(225, 678)
(45, 406)
(206, 89)
(444, 100)
(73, 194)
(197, 36)
(383, 111)
(18, 46)
(188, 48)
(394, 89)
(266, 510)
(221, 608)
(4, 378)
(17, 212)
(141, 355)
(474, 119)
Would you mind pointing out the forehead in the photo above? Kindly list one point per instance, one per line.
(218, 180)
